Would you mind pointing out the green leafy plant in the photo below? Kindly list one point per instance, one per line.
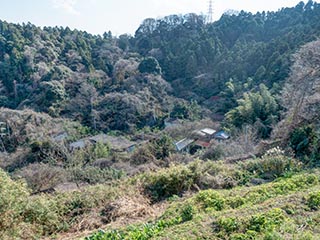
(313, 200)
(211, 199)
(187, 213)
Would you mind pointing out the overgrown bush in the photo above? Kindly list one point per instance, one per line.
(305, 142)
(13, 195)
(228, 224)
(259, 109)
(169, 182)
(272, 165)
(214, 153)
(87, 155)
(94, 175)
(47, 151)
(186, 110)
(155, 151)
(187, 213)
(46, 215)
(313, 200)
(211, 199)
(196, 175)
(23, 216)
(248, 227)
(142, 232)
(266, 221)
(41, 176)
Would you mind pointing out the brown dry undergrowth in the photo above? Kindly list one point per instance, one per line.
(122, 212)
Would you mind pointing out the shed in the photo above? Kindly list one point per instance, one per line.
(221, 135)
(208, 131)
(204, 135)
(60, 137)
(183, 144)
(118, 144)
(78, 144)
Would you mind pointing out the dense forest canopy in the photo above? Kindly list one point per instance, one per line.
(88, 77)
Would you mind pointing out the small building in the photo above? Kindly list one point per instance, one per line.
(198, 139)
(221, 135)
(82, 143)
(117, 144)
(184, 144)
(60, 137)
(204, 135)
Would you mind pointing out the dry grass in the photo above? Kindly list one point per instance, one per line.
(119, 213)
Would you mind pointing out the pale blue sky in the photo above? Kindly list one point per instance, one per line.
(119, 16)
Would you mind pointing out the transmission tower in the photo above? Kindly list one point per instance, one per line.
(210, 12)
(3, 130)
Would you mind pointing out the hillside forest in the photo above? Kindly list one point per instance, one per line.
(90, 126)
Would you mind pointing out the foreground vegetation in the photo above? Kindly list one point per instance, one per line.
(276, 210)
(224, 199)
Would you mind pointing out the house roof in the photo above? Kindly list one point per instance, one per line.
(78, 144)
(115, 142)
(183, 143)
(60, 137)
(221, 135)
(199, 133)
(208, 131)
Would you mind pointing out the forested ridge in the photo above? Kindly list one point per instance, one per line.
(47, 69)
(90, 127)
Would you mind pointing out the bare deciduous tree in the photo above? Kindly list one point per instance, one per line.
(301, 93)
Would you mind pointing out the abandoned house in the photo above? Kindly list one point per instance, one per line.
(200, 139)
(117, 144)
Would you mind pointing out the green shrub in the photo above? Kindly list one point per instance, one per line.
(214, 153)
(13, 201)
(187, 213)
(271, 166)
(301, 140)
(236, 201)
(84, 156)
(162, 147)
(313, 200)
(229, 224)
(211, 199)
(241, 236)
(44, 213)
(305, 235)
(272, 236)
(262, 224)
(100, 150)
(143, 232)
(94, 175)
(266, 221)
(168, 182)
